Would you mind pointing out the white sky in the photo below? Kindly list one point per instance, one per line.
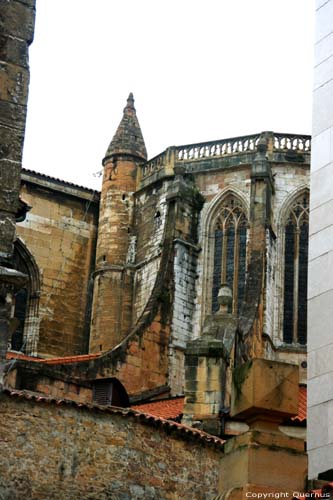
(199, 69)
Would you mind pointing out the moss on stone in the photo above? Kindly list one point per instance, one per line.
(239, 375)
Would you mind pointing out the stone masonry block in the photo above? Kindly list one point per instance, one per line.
(261, 386)
(14, 81)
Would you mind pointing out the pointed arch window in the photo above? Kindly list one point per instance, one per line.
(26, 310)
(296, 233)
(230, 241)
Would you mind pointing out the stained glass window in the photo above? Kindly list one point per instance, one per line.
(230, 239)
(295, 272)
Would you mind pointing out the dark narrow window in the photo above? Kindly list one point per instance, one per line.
(230, 237)
(230, 255)
(217, 267)
(241, 265)
(295, 272)
(289, 256)
(302, 283)
(19, 317)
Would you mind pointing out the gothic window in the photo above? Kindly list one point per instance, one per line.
(19, 315)
(295, 272)
(230, 235)
(26, 314)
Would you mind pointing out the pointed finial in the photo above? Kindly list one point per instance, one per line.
(130, 102)
(128, 137)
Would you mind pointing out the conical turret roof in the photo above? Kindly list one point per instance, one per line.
(128, 138)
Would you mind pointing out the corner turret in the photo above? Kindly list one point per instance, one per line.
(113, 277)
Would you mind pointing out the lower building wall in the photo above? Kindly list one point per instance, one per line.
(65, 452)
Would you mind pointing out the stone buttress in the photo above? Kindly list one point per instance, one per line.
(17, 20)
(112, 299)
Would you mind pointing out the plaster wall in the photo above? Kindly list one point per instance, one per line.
(320, 295)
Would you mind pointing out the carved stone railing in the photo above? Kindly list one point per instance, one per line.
(217, 148)
(222, 148)
(153, 165)
(290, 142)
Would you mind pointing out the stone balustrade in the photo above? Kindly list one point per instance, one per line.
(218, 148)
(223, 148)
(290, 142)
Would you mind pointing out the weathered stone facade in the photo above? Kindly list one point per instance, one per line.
(17, 30)
(60, 233)
(114, 298)
(153, 277)
(123, 292)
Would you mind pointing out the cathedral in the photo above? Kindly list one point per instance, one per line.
(153, 335)
(121, 281)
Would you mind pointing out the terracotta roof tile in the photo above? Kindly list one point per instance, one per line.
(302, 399)
(167, 408)
(181, 429)
(52, 361)
(317, 493)
(173, 408)
(20, 355)
(71, 359)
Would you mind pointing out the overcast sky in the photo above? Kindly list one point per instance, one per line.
(199, 69)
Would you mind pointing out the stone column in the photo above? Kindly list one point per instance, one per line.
(262, 189)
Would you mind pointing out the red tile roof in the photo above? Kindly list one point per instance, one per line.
(324, 492)
(302, 398)
(180, 429)
(52, 361)
(19, 355)
(167, 408)
(173, 408)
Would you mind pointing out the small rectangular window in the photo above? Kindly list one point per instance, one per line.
(102, 392)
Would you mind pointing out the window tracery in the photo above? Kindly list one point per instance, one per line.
(230, 240)
(296, 233)
(26, 309)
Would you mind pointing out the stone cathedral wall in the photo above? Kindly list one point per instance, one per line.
(60, 233)
(150, 218)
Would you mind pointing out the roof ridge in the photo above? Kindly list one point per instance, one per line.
(146, 418)
(68, 183)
